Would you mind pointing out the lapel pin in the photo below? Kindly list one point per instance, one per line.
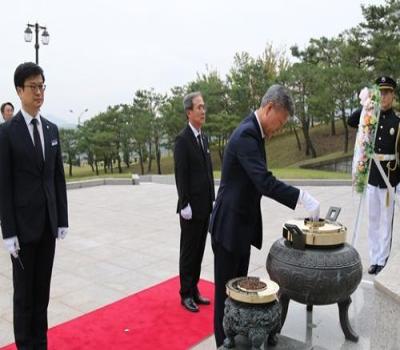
(391, 131)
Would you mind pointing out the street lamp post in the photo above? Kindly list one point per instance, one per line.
(79, 115)
(28, 37)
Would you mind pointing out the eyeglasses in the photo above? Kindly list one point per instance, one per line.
(34, 88)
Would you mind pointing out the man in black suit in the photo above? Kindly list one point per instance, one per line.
(33, 205)
(380, 205)
(236, 222)
(195, 185)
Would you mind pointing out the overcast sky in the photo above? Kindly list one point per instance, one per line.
(102, 51)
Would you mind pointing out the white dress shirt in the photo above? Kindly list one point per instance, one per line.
(28, 119)
(197, 133)
(259, 124)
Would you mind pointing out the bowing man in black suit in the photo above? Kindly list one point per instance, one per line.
(33, 205)
(236, 222)
(195, 185)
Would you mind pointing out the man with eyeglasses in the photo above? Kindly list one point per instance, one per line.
(33, 205)
(7, 111)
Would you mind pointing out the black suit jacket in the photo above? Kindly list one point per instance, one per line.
(385, 143)
(28, 193)
(236, 221)
(193, 174)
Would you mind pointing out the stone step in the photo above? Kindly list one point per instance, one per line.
(284, 343)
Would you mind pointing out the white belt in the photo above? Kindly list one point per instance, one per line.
(385, 157)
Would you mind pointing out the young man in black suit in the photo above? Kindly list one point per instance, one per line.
(33, 205)
(236, 222)
(7, 111)
(195, 185)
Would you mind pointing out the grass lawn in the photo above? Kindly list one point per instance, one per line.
(297, 173)
(85, 173)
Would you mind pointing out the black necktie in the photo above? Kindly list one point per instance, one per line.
(201, 146)
(200, 143)
(38, 143)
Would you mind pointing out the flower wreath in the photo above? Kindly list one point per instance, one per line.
(365, 139)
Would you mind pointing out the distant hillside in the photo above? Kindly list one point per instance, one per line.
(282, 150)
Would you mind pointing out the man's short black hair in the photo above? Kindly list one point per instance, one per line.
(26, 70)
(3, 106)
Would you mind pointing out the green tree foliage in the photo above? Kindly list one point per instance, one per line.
(250, 77)
(174, 118)
(69, 146)
(147, 127)
(382, 27)
(300, 78)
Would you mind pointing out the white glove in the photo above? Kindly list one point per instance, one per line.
(310, 204)
(62, 232)
(12, 245)
(186, 212)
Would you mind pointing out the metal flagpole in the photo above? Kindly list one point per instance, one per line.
(357, 222)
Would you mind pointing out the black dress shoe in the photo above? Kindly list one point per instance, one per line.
(378, 269)
(189, 304)
(372, 269)
(201, 300)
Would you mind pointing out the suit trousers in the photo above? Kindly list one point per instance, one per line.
(380, 225)
(192, 245)
(32, 291)
(227, 265)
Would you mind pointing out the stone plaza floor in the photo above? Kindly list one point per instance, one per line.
(123, 239)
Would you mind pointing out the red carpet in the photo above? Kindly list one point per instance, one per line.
(150, 319)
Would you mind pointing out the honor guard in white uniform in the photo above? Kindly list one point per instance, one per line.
(380, 204)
